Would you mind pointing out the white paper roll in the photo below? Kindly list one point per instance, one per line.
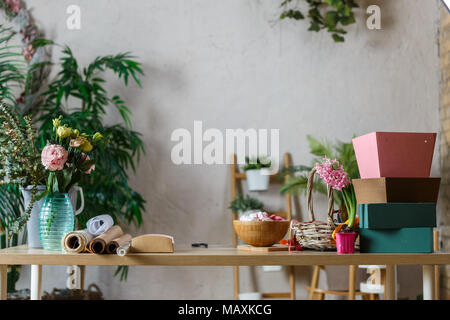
(124, 249)
(99, 224)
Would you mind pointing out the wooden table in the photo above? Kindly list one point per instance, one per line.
(22, 255)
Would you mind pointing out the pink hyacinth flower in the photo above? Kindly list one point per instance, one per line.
(333, 174)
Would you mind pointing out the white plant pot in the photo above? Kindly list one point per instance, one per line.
(34, 240)
(258, 179)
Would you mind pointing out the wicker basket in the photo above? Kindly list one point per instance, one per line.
(314, 234)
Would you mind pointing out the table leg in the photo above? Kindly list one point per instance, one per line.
(351, 282)
(36, 282)
(4, 281)
(428, 282)
(389, 285)
(82, 276)
(292, 281)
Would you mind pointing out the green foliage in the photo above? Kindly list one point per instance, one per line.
(19, 161)
(342, 151)
(257, 163)
(12, 66)
(332, 15)
(244, 204)
(106, 190)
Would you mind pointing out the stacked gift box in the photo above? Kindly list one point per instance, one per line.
(396, 196)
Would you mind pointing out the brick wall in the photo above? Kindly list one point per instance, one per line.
(445, 144)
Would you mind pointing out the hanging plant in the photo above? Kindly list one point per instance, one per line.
(35, 56)
(332, 15)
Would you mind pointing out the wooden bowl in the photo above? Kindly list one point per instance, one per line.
(261, 233)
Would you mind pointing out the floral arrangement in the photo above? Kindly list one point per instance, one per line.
(334, 175)
(19, 160)
(67, 156)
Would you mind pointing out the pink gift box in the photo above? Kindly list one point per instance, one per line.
(394, 154)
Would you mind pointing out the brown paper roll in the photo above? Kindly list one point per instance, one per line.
(76, 241)
(98, 244)
(112, 246)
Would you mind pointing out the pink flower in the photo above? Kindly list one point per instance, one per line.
(54, 157)
(333, 174)
(85, 157)
(28, 52)
(13, 5)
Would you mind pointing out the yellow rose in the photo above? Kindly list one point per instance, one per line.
(97, 136)
(63, 132)
(75, 133)
(56, 122)
(86, 146)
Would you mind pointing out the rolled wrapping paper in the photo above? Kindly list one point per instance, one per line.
(124, 249)
(99, 224)
(112, 246)
(76, 241)
(98, 244)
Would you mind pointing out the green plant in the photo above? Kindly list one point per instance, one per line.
(244, 204)
(332, 15)
(257, 163)
(78, 94)
(298, 175)
(12, 68)
(19, 164)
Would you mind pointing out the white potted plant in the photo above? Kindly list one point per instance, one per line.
(257, 171)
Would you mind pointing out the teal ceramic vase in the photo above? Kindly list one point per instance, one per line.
(56, 219)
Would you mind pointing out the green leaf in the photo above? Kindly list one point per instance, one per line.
(338, 38)
(331, 18)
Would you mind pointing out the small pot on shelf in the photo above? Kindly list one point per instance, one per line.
(258, 179)
(345, 242)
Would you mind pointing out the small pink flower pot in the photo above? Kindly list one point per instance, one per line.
(345, 242)
(394, 154)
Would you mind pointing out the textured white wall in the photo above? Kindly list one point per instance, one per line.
(232, 64)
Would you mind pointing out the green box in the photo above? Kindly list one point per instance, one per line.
(405, 240)
(397, 215)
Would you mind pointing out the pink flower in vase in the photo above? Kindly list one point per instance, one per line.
(85, 157)
(54, 157)
(333, 174)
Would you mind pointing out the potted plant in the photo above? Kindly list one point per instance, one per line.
(67, 157)
(245, 205)
(257, 173)
(297, 179)
(334, 175)
(20, 166)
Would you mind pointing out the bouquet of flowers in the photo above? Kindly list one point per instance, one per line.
(334, 175)
(67, 158)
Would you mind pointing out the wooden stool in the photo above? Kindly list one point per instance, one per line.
(319, 294)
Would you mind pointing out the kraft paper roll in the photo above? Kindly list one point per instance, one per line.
(112, 246)
(76, 241)
(98, 244)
